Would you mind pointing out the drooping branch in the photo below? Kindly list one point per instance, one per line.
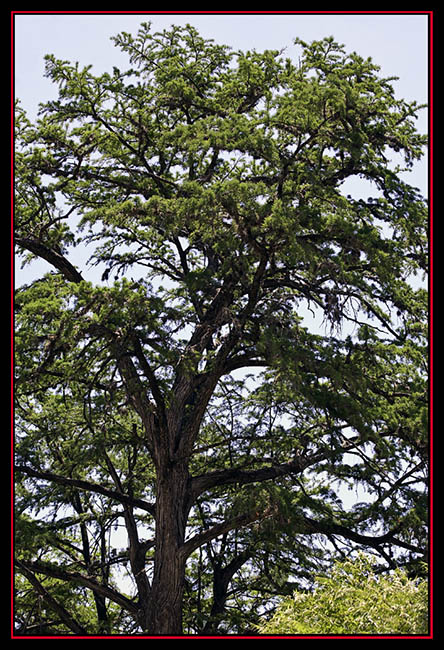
(50, 601)
(87, 486)
(56, 259)
(373, 541)
(74, 577)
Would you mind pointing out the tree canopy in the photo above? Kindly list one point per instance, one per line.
(185, 437)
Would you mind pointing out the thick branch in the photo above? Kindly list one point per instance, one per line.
(88, 487)
(201, 388)
(367, 540)
(200, 484)
(204, 482)
(53, 257)
(136, 392)
(219, 529)
(149, 374)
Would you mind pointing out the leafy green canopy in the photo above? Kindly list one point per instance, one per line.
(207, 186)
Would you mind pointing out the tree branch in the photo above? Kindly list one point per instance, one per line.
(53, 257)
(149, 374)
(87, 486)
(51, 602)
(204, 482)
(137, 551)
(86, 581)
(200, 484)
(219, 529)
(368, 540)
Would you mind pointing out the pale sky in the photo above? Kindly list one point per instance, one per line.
(398, 43)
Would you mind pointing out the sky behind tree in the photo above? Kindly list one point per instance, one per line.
(398, 43)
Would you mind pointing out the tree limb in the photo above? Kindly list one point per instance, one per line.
(368, 540)
(219, 529)
(53, 257)
(50, 601)
(200, 484)
(149, 374)
(87, 486)
(137, 551)
(54, 571)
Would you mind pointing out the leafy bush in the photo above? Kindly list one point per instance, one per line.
(353, 599)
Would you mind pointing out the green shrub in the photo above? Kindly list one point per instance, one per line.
(352, 599)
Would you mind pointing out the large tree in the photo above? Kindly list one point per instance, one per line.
(181, 394)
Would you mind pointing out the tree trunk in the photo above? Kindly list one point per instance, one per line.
(165, 612)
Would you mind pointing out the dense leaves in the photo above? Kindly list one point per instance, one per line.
(226, 341)
(354, 599)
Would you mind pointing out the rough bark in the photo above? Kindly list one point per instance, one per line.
(164, 615)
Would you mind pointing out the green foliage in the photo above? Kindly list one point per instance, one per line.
(354, 599)
(200, 193)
